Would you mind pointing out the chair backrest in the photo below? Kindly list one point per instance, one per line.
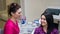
(33, 31)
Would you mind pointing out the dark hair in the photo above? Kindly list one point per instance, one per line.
(50, 21)
(13, 7)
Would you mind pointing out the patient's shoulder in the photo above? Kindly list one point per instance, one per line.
(38, 29)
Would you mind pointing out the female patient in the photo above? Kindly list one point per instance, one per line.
(11, 26)
(47, 26)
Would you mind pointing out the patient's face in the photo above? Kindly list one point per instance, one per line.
(43, 20)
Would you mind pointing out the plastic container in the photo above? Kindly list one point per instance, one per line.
(23, 19)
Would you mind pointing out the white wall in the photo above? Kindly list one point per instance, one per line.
(33, 8)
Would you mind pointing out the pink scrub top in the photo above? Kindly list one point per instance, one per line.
(11, 28)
